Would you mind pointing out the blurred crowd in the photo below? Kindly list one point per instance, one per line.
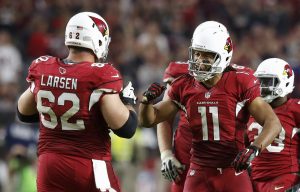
(146, 36)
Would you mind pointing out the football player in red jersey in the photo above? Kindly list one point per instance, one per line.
(175, 165)
(78, 100)
(276, 168)
(211, 95)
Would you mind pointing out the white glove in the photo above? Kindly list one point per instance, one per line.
(170, 167)
(127, 95)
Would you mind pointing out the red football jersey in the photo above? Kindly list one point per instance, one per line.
(174, 70)
(67, 97)
(216, 116)
(183, 134)
(280, 157)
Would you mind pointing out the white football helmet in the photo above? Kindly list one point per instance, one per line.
(213, 37)
(88, 30)
(276, 78)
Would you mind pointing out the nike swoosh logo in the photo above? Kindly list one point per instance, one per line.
(117, 75)
(236, 174)
(247, 150)
(277, 188)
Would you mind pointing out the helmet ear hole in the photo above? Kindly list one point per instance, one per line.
(100, 42)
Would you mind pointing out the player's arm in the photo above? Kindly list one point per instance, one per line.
(164, 131)
(119, 113)
(265, 116)
(149, 114)
(170, 167)
(26, 108)
(121, 118)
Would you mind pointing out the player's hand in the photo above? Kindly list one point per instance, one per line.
(127, 95)
(244, 158)
(154, 91)
(171, 167)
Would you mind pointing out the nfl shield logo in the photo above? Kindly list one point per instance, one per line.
(207, 95)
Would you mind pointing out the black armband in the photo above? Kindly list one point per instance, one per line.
(28, 118)
(128, 129)
(127, 100)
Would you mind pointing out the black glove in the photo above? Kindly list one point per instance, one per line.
(127, 95)
(154, 91)
(244, 158)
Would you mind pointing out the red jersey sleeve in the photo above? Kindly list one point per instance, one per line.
(295, 108)
(31, 72)
(173, 91)
(109, 77)
(174, 70)
(176, 91)
(34, 72)
(248, 85)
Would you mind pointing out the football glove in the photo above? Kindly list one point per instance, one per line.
(127, 95)
(171, 167)
(244, 158)
(154, 91)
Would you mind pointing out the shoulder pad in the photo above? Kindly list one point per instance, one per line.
(174, 70)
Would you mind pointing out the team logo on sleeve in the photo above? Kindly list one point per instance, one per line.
(228, 45)
(62, 70)
(288, 71)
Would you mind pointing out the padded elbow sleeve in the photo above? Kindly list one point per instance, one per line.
(28, 118)
(128, 129)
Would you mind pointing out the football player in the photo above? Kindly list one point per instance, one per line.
(78, 100)
(175, 164)
(211, 95)
(276, 168)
